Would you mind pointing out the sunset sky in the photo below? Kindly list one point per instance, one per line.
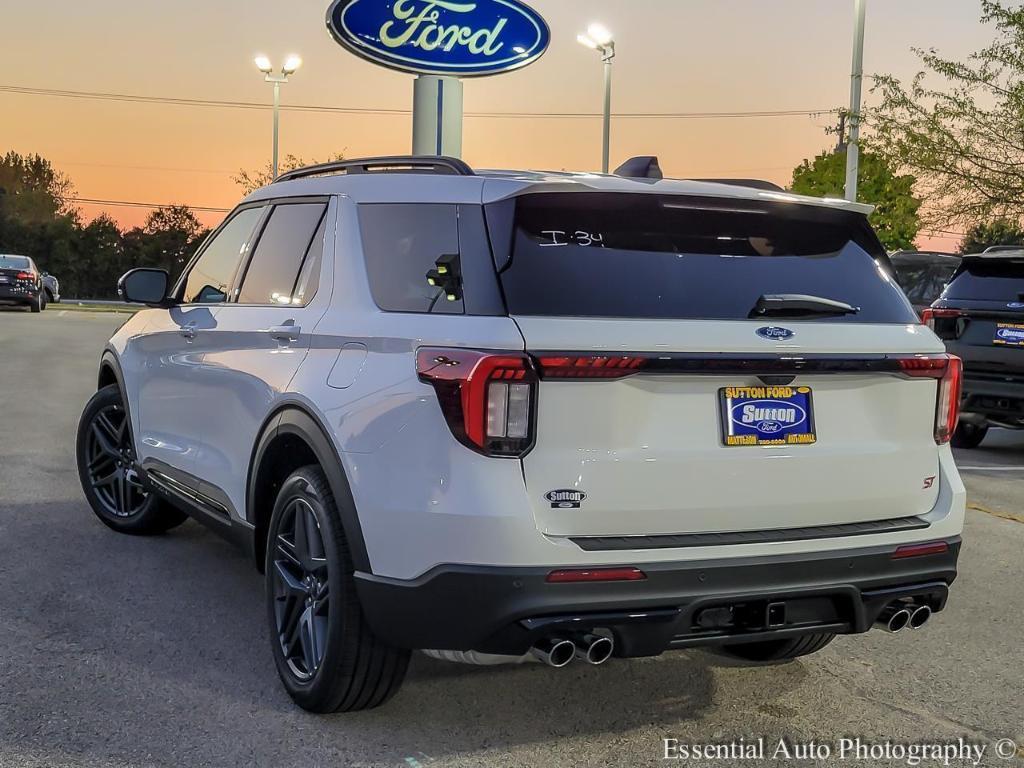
(674, 56)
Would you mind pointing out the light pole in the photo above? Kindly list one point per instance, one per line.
(291, 65)
(599, 38)
(856, 83)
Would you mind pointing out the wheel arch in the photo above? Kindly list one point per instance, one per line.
(292, 438)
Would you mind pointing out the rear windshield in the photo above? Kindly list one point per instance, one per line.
(13, 262)
(648, 256)
(923, 282)
(989, 280)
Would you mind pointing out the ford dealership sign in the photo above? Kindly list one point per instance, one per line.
(470, 38)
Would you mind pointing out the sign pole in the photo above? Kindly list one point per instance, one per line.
(437, 116)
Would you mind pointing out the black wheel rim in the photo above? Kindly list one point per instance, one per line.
(111, 463)
(301, 594)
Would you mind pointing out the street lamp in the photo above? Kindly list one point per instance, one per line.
(856, 83)
(600, 39)
(291, 65)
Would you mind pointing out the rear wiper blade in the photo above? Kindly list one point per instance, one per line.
(796, 305)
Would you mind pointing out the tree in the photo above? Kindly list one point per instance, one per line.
(250, 181)
(166, 240)
(32, 191)
(986, 234)
(896, 216)
(957, 126)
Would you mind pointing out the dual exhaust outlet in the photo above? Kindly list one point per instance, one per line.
(558, 652)
(897, 616)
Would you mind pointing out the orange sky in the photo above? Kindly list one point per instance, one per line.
(674, 56)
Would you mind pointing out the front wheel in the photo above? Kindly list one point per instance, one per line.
(106, 469)
(326, 655)
(778, 650)
(969, 435)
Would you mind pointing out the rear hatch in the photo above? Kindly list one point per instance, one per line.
(10, 268)
(981, 315)
(678, 396)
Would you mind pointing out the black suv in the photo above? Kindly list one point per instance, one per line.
(980, 316)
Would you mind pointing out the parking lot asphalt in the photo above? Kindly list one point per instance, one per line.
(154, 652)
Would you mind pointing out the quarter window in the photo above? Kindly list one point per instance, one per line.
(273, 272)
(210, 278)
(402, 243)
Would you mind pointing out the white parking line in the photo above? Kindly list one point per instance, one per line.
(991, 469)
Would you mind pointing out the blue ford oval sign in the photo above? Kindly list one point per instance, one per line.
(457, 38)
(774, 333)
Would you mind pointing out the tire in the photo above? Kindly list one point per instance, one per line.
(969, 435)
(38, 305)
(778, 650)
(44, 300)
(105, 457)
(326, 655)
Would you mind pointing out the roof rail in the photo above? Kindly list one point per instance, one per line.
(752, 183)
(449, 166)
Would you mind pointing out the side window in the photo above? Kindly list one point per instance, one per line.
(210, 277)
(309, 278)
(402, 243)
(273, 272)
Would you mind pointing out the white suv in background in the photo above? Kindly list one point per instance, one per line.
(502, 414)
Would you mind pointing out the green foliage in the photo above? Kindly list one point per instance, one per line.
(896, 213)
(37, 220)
(986, 234)
(250, 181)
(957, 126)
(31, 190)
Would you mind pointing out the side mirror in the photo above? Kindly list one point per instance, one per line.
(144, 286)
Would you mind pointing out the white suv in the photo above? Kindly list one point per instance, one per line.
(497, 415)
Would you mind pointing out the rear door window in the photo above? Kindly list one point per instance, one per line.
(993, 279)
(650, 256)
(272, 274)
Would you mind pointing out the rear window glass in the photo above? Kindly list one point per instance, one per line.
(648, 256)
(13, 262)
(990, 280)
(923, 283)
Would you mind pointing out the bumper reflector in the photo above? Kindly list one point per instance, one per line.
(576, 575)
(919, 550)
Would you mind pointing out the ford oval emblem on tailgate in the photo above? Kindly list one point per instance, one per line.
(774, 333)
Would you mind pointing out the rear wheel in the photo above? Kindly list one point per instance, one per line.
(969, 435)
(326, 655)
(38, 304)
(778, 650)
(106, 469)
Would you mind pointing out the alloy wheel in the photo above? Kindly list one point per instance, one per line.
(301, 594)
(111, 463)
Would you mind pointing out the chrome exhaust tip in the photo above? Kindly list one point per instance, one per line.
(894, 618)
(554, 652)
(594, 649)
(920, 616)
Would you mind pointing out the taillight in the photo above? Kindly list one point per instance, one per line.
(487, 398)
(948, 369)
(590, 366)
(25, 276)
(947, 323)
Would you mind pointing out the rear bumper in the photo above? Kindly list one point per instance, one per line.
(507, 610)
(10, 296)
(999, 400)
